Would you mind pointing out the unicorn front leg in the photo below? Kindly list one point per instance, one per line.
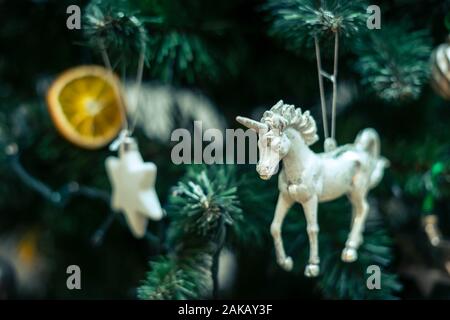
(283, 205)
(312, 227)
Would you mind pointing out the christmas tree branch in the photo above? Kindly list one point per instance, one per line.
(66, 194)
(202, 206)
(297, 22)
(61, 197)
(393, 61)
(99, 234)
(113, 26)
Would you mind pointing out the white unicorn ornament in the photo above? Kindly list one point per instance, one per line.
(285, 134)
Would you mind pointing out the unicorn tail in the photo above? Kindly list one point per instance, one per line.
(377, 173)
(369, 141)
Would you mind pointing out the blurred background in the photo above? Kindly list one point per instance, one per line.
(214, 60)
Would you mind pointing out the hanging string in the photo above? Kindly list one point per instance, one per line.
(140, 72)
(107, 63)
(333, 78)
(321, 89)
(105, 56)
(127, 130)
(335, 72)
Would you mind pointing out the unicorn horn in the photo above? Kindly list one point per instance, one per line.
(252, 124)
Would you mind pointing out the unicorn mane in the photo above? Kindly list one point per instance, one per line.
(282, 116)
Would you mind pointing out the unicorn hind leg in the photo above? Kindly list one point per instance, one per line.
(361, 209)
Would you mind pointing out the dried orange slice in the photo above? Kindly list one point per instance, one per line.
(85, 104)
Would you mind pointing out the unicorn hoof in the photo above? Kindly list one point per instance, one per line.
(312, 270)
(349, 255)
(287, 264)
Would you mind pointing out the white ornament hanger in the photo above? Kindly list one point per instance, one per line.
(330, 141)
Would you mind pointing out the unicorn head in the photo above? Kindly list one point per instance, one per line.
(273, 143)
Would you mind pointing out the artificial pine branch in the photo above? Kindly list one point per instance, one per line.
(115, 27)
(178, 54)
(176, 49)
(298, 22)
(256, 197)
(179, 277)
(187, 45)
(180, 44)
(393, 61)
(200, 202)
(200, 208)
